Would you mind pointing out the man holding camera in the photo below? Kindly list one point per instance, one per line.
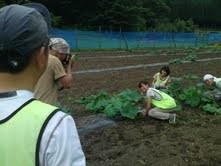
(58, 74)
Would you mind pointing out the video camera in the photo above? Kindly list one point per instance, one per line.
(66, 59)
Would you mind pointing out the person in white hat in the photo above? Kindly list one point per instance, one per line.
(213, 81)
(58, 74)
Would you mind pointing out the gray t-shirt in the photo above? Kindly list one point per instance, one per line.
(154, 95)
(218, 85)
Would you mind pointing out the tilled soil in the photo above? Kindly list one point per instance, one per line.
(194, 140)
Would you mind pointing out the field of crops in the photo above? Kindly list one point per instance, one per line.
(195, 140)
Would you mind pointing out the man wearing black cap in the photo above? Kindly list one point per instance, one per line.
(32, 133)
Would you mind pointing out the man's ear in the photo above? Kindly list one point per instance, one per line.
(41, 58)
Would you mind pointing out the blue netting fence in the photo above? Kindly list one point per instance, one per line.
(129, 40)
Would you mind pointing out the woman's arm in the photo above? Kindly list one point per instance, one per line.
(168, 81)
(154, 79)
(148, 106)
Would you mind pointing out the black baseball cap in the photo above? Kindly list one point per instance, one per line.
(43, 11)
(22, 30)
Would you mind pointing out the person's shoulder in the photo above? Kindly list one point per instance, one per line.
(43, 107)
(53, 58)
(61, 120)
(58, 111)
(150, 91)
(55, 61)
(58, 114)
(156, 74)
(154, 91)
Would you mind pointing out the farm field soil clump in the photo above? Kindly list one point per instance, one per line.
(195, 140)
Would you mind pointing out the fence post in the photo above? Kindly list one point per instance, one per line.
(76, 37)
(138, 28)
(120, 38)
(125, 40)
(100, 37)
(174, 42)
(138, 39)
(196, 39)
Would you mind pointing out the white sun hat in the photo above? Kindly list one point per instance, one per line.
(207, 76)
(60, 45)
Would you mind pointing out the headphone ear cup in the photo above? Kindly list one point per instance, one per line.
(16, 61)
(50, 45)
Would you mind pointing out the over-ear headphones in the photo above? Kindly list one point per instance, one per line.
(13, 61)
(16, 61)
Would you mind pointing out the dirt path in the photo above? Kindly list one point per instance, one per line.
(139, 66)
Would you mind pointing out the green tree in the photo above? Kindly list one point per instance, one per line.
(2, 3)
(120, 13)
(200, 11)
(157, 11)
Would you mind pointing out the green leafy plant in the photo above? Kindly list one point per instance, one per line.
(193, 95)
(175, 61)
(94, 103)
(125, 103)
(171, 52)
(190, 58)
(211, 108)
(188, 50)
(175, 87)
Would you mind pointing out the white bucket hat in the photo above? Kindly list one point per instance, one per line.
(59, 45)
(207, 76)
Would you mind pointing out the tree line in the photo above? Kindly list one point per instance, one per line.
(132, 15)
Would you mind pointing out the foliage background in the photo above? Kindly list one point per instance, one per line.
(133, 15)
